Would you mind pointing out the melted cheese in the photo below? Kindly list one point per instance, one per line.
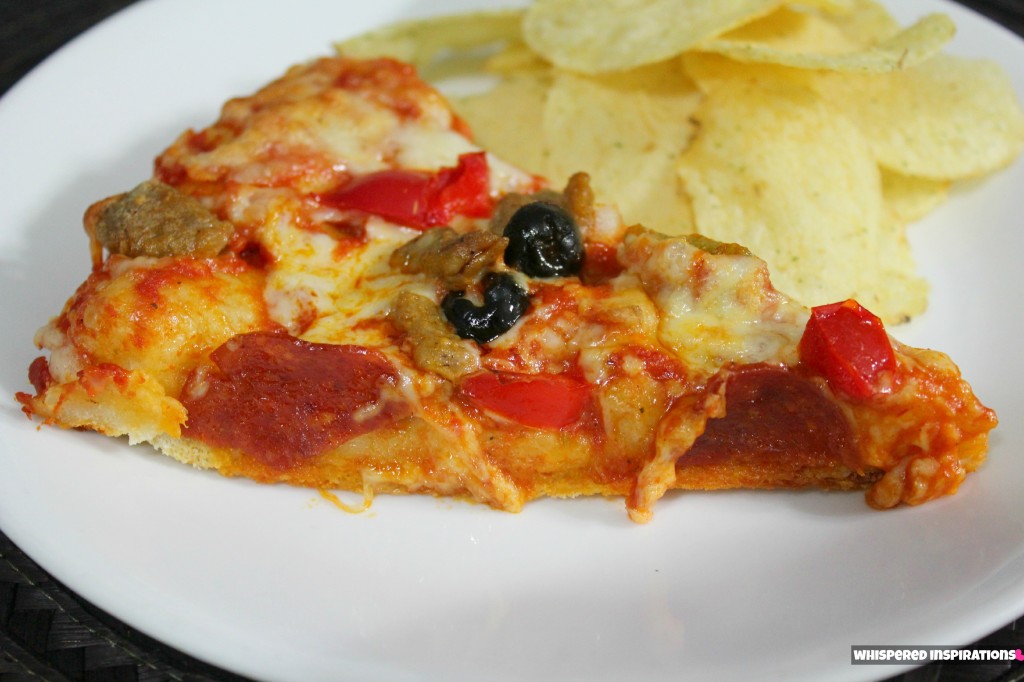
(716, 309)
(320, 122)
(161, 317)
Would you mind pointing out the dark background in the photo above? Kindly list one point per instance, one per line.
(49, 633)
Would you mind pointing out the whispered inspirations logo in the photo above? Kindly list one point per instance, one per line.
(919, 655)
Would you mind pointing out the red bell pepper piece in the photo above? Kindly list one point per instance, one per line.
(419, 199)
(848, 345)
(539, 400)
(462, 190)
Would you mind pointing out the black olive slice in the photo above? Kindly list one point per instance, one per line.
(543, 241)
(504, 303)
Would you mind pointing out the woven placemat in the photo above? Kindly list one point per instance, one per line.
(47, 632)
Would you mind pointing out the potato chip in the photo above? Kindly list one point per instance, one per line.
(436, 45)
(616, 35)
(831, 6)
(808, 42)
(627, 131)
(508, 118)
(946, 119)
(788, 30)
(775, 168)
(516, 57)
(908, 198)
(866, 22)
(710, 70)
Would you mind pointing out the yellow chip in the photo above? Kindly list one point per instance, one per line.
(434, 42)
(807, 41)
(710, 70)
(774, 167)
(831, 6)
(508, 118)
(866, 22)
(908, 198)
(787, 30)
(516, 57)
(627, 131)
(945, 119)
(615, 35)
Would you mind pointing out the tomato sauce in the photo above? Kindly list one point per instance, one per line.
(392, 83)
(600, 263)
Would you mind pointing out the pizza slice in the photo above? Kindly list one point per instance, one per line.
(332, 286)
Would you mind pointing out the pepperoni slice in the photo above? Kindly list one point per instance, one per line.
(281, 400)
(773, 416)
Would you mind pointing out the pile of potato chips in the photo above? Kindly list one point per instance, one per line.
(813, 133)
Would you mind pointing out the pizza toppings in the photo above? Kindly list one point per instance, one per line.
(773, 414)
(420, 199)
(39, 374)
(504, 303)
(532, 233)
(546, 229)
(157, 220)
(457, 260)
(435, 348)
(282, 400)
(538, 400)
(849, 346)
(543, 241)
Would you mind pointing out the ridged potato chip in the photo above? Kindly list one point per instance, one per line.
(420, 40)
(508, 119)
(909, 198)
(774, 168)
(789, 30)
(948, 118)
(808, 41)
(709, 70)
(866, 22)
(443, 49)
(616, 35)
(627, 131)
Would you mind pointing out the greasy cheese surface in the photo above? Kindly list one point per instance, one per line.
(659, 342)
(716, 308)
(163, 316)
(319, 123)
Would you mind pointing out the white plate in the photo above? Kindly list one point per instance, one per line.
(275, 583)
